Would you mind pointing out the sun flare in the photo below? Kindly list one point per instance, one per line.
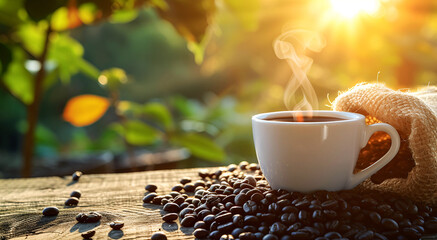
(352, 8)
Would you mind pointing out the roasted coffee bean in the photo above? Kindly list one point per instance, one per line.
(77, 194)
(209, 219)
(189, 188)
(250, 228)
(76, 175)
(411, 233)
(188, 221)
(226, 227)
(212, 201)
(270, 237)
(251, 220)
(171, 207)
(88, 234)
(250, 207)
(364, 235)
(237, 231)
(88, 217)
(185, 180)
(200, 224)
(71, 201)
(375, 217)
(200, 233)
(226, 217)
(151, 188)
(179, 200)
(170, 217)
(215, 235)
(240, 199)
(116, 225)
(227, 237)
(389, 224)
(288, 218)
(278, 229)
(157, 200)
(50, 211)
(149, 197)
(247, 236)
(257, 197)
(177, 188)
(185, 211)
(243, 165)
(332, 235)
(158, 236)
(300, 235)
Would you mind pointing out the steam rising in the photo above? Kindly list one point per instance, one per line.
(291, 46)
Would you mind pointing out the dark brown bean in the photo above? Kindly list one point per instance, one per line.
(389, 224)
(170, 217)
(50, 211)
(158, 236)
(72, 201)
(171, 207)
(116, 225)
(151, 188)
(200, 233)
(188, 221)
(76, 175)
(185, 180)
(88, 234)
(77, 194)
(149, 197)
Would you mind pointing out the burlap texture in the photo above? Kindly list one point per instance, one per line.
(414, 115)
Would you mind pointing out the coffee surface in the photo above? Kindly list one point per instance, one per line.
(305, 119)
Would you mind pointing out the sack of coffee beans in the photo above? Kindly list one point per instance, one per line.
(413, 172)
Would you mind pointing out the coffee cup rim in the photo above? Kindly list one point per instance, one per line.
(346, 116)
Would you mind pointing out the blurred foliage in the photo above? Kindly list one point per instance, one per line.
(237, 74)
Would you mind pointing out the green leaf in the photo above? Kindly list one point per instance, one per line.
(18, 80)
(160, 113)
(43, 135)
(67, 53)
(5, 58)
(139, 133)
(124, 16)
(200, 146)
(32, 36)
(41, 9)
(9, 12)
(188, 108)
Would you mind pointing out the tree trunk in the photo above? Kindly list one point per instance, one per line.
(33, 110)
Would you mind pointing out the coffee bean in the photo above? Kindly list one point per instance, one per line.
(236, 232)
(177, 188)
(288, 218)
(200, 233)
(226, 217)
(249, 228)
(88, 217)
(88, 234)
(76, 175)
(50, 211)
(170, 217)
(185, 180)
(389, 224)
(179, 200)
(226, 227)
(375, 217)
(215, 235)
(73, 201)
(158, 236)
(188, 221)
(157, 200)
(300, 235)
(332, 235)
(189, 188)
(270, 237)
(411, 233)
(247, 236)
(278, 229)
(151, 188)
(116, 225)
(364, 235)
(431, 225)
(149, 197)
(171, 207)
(77, 194)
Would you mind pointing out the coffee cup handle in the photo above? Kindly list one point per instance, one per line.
(372, 169)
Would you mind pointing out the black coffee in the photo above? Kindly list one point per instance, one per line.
(305, 119)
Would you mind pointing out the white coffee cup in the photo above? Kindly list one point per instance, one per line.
(310, 156)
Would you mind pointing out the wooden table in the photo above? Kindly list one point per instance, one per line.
(115, 196)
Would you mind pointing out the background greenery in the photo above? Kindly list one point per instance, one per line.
(208, 65)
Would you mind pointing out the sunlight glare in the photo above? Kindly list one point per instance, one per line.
(351, 8)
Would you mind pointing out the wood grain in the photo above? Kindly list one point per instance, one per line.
(115, 196)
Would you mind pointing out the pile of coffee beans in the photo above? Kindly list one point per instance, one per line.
(377, 146)
(238, 203)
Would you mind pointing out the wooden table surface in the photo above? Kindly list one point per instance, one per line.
(115, 196)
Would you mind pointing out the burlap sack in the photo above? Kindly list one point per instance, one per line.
(414, 115)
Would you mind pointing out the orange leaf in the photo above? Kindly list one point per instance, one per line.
(85, 109)
(73, 15)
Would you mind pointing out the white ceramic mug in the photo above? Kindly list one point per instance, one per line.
(310, 156)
